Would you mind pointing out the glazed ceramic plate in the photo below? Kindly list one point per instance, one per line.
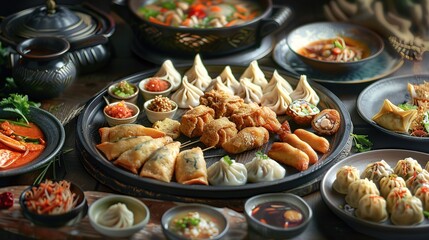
(383, 65)
(54, 135)
(371, 99)
(91, 119)
(385, 230)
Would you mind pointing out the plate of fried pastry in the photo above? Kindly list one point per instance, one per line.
(239, 131)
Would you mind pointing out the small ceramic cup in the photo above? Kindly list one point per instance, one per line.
(147, 94)
(115, 98)
(112, 121)
(154, 116)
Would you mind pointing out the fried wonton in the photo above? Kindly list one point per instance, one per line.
(394, 118)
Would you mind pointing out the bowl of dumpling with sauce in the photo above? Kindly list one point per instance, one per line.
(118, 215)
(277, 215)
(334, 47)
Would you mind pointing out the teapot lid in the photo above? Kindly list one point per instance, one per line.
(53, 20)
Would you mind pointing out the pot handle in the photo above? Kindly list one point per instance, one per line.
(280, 17)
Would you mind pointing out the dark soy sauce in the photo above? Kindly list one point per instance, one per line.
(278, 214)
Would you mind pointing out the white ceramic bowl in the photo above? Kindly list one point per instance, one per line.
(147, 95)
(139, 209)
(117, 121)
(274, 231)
(115, 98)
(203, 209)
(159, 116)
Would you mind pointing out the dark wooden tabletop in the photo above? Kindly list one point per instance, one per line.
(324, 225)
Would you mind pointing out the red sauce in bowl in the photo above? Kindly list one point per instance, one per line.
(119, 110)
(156, 85)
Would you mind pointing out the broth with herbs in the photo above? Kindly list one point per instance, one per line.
(340, 49)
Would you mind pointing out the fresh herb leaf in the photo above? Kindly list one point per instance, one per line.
(407, 106)
(338, 45)
(426, 214)
(361, 142)
(18, 104)
(261, 155)
(46, 166)
(227, 159)
(425, 121)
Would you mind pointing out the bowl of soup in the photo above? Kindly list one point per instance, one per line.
(277, 215)
(211, 28)
(334, 47)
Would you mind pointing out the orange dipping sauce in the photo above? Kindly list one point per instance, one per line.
(34, 149)
(156, 85)
(119, 110)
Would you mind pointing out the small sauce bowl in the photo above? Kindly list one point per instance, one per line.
(129, 98)
(113, 121)
(154, 86)
(154, 116)
(140, 212)
(292, 202)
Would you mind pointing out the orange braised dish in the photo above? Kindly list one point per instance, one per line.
(156, 85)
(19, 144)
(119, 110)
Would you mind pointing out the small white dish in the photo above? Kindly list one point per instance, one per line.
(154, 116)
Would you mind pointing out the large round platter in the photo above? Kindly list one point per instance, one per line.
(371, 99)
(383, 65)
(91, 119)
(54, 134)
(385, 230)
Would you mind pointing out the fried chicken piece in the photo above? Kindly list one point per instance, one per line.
(252, 115)
(247, 139)
(222, 103)
(193, 121)
(218, 131)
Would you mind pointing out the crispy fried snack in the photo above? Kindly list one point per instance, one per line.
(217, 132)
(193, 121)
(252, 115)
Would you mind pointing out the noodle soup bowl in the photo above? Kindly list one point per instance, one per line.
(97, 211)
(68, 218)
(365, 39)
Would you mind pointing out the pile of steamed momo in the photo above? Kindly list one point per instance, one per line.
(304, 91)
(276, 94)
(169, 72)
(401, 193)
(229, 80)
(187, 95)
(197, 75)
(255, 74)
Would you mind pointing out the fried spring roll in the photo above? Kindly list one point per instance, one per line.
(112, 150)
(111, 134)
(318, 143)
(295, 141)
(191, 167)
(160, 164)
(135, 157)
(291, 156)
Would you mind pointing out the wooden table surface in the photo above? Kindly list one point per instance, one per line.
(324, 225)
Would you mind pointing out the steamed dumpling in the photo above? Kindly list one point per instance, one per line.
(277, 99)
(422, 193)
(376, 170)
(218, 85)
(372, 207)
(417, 180)
(407, 167)
(345, 175)
(407, 211)
(304, 91)
(262, 169)
(277, 79)
(229, 80)
(227, 172)
(187, 95)
(255, 74)
(396, 194)
(358, 189)
(116, 216)
(249, 91)
(198, 75)
(169, 72)
(388, 183)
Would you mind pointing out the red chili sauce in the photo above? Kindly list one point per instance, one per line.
(156, 85)
(278, 214)
(10, 157)
(119, 110)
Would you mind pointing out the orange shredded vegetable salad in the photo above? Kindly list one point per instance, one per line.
(51, 198)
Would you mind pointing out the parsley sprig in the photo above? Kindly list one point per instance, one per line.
(361, 142)
(18, 104)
